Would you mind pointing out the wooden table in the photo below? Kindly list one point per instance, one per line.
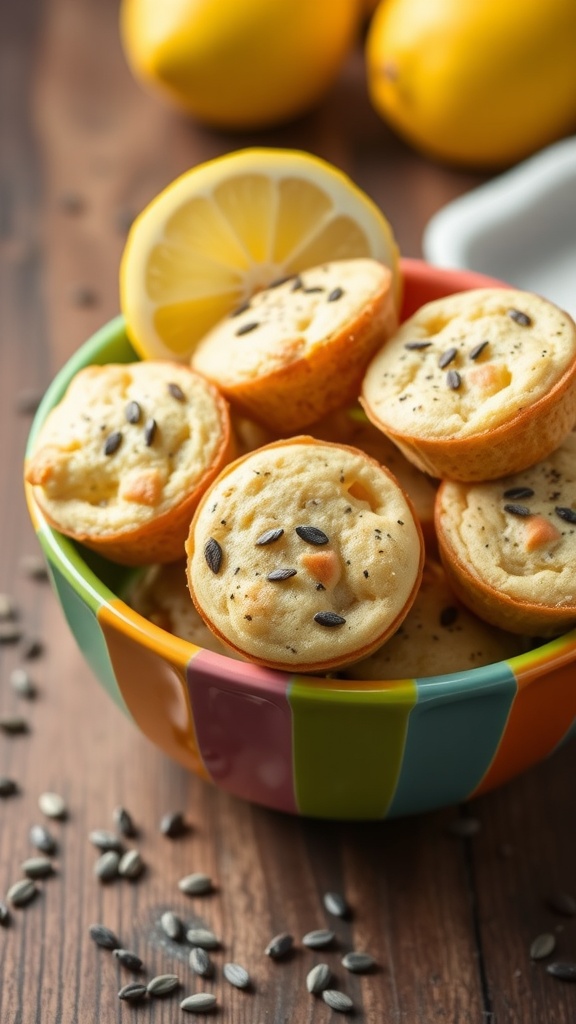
(450, 920)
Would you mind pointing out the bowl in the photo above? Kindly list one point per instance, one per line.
(319, 747)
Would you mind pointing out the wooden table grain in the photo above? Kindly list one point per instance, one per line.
(449, 919)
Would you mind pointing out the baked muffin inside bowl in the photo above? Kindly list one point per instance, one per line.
(313, 745)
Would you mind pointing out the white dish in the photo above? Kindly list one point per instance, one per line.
(519, 227)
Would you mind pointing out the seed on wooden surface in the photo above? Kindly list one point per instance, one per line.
(128, 959)
(131, 864)
(565, 970)
(172, 925)
(134, 992)
(280, 945)
(27, 401)
(163, 985)
(312, 535)
(52, 805)
(10, 632)
(22, 892)
(269, 536)
(22, 684)
(37, 867)
(7, 608)
(196, 884)
(519, 316)
(84, 296)
(329, 619)
(335, 904)
(7, 787)
(103, 936)
(112, 442)
(200, 962)
(358, 962)
(13, 725)
(318, 978)
(318, 939)
(34, 568)
(105, 840)
(106, 867)
(4, 915)
(336, 1000)
(176, 391)
(563, 903)
(464, 828)
(566, 513)
(542, 946)
(173, 825)
(213, 555)
(236, 975)
(42, 839)
(123, 822)
(200, 1002)
(133, 412)
(202, 937)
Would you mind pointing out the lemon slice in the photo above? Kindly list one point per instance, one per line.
(232, 226)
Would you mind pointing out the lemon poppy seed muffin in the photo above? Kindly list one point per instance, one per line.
(509, 546)
(438, 636)
(304, 555)
(477, 385)
(121, 462)
(298, 349)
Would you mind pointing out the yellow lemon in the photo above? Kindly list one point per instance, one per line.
(231, 226)
(239, 63)
(481, 83)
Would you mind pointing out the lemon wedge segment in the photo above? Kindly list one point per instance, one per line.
(234, 225)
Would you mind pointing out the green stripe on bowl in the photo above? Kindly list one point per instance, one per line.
(348, 743)
(453, 734)
(86, 629)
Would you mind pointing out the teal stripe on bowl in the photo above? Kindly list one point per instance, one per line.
(89, 637)
(452, 739)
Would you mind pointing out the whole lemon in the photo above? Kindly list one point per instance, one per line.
(239, 63)
(481, 83)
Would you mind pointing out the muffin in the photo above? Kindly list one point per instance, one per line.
(122, 461)
(509, 547)
(160, 594)
(304, 555)
(352, 426)
(298, 349)
(477, 385)
(438, 636)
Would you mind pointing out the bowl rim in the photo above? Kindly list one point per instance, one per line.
(69, 558)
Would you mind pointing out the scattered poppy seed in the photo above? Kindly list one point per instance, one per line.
(269, 536)
(213, 555)
(113, 442)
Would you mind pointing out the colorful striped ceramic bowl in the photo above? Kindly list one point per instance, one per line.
(324, 747)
